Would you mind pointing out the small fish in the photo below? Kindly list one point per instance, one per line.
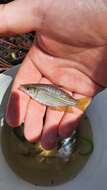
(54, 97)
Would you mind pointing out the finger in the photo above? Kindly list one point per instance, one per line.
(34, 118)
(50, 130)
(16, 108)
(69, 123)
(18, 16)
(18, 101)
(34, 121)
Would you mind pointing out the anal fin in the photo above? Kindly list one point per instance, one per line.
(63, 109)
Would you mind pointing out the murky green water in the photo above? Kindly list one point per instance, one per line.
(34, 168)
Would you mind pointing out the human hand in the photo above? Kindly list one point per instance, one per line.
(72, 57)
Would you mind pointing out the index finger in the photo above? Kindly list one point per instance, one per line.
(18, 101)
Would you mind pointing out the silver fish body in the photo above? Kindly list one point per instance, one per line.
(48, 94)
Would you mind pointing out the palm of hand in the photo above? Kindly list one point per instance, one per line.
(39, 67)
(80, 69)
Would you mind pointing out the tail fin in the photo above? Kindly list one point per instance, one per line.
(83, 103)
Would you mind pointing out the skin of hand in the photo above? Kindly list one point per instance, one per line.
(69, 50)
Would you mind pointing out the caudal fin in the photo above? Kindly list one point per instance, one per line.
(83, 103)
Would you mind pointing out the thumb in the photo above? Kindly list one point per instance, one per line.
(18, 16)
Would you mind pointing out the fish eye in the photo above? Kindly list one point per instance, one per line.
(28, 88)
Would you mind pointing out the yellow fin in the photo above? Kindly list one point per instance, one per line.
(63, 109)
(83, 103)
(69, 109)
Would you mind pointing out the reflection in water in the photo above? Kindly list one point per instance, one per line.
(38, 166)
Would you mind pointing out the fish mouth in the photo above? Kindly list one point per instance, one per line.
(22, 87)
